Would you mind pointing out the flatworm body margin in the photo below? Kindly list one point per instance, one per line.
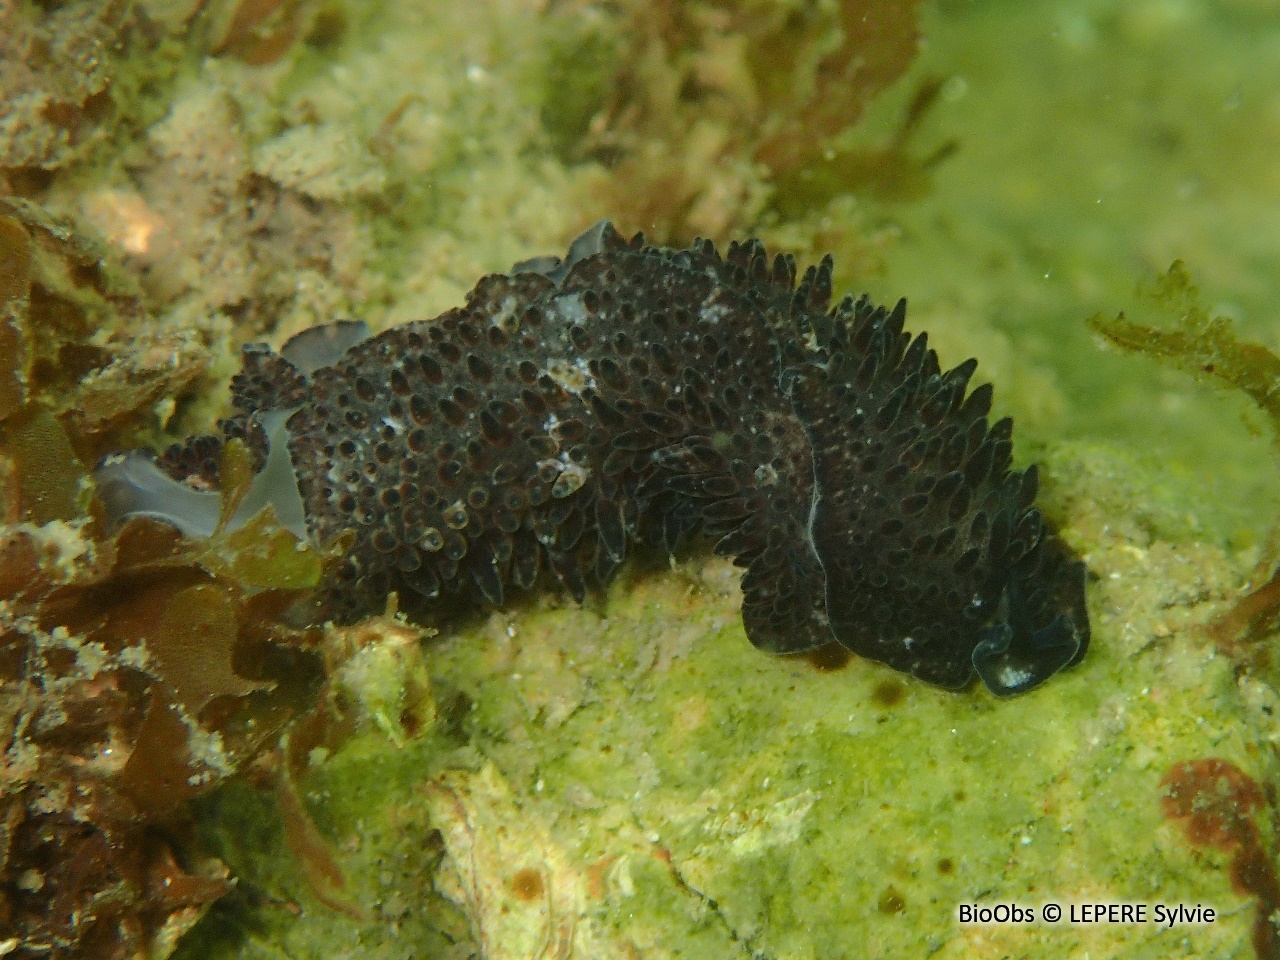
(638, 394)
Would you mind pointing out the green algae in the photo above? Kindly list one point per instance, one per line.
(741, 803)
(365, 804)
(1121, 166)
(729, 803)
(579, 61)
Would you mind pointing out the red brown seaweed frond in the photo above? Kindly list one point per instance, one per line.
(706, 113)
(74, 383)
(879, 39)
(262, 32)
(130, 667)
(1216, 804)
(56, 76)
(137, 671)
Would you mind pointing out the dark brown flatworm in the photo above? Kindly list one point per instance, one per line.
(636, 394)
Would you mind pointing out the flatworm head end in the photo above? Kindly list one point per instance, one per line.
(936, 561)
(1041, 625)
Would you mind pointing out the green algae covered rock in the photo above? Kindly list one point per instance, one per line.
(633, 779)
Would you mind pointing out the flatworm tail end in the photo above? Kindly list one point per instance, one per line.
(133, 484)
(181, 486)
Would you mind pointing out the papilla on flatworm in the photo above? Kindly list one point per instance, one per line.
(637, 394)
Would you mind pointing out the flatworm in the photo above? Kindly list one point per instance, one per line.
(630, 394)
